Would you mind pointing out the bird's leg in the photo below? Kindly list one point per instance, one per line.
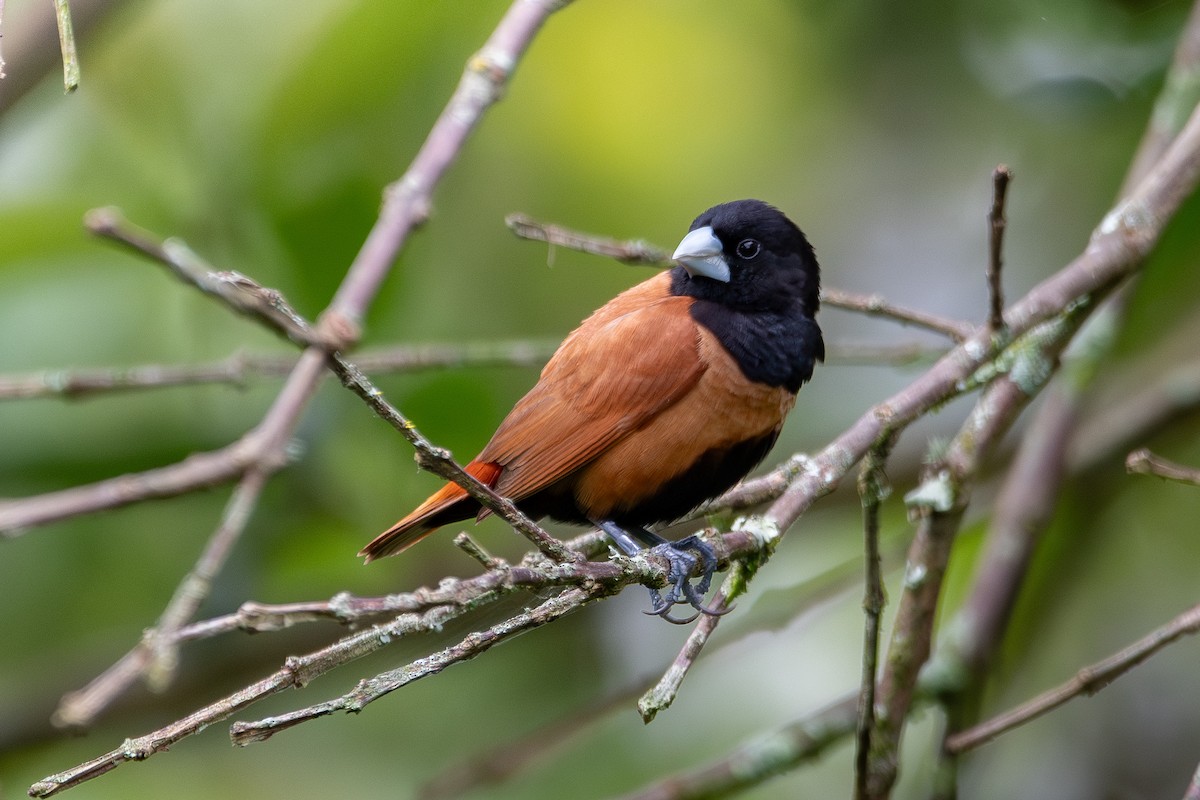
(682, 562)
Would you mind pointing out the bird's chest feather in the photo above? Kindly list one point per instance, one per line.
(774, 348)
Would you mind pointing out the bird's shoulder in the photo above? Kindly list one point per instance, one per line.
(632, 358)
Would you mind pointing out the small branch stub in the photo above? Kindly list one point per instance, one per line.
(66, 39)
(1143, 462)
(1001, 176)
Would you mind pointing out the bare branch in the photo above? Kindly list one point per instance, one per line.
(372, 689)
(197, 471)
(636, 252)
(237, 291)
(660, 696)
(438, 461)
(1032, 486)
(1088, 680)
(875, 306)
(419, 612)
(238, 369)
(1117, 248)
(406, 205)
(940, 503)
(157, 655)
(1143, 462)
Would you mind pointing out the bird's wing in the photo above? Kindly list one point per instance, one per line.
(633, 358)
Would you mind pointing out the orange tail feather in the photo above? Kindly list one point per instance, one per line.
(449, 504)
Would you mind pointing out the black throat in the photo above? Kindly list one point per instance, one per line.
(778, 345)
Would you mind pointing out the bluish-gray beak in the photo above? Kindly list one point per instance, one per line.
(701, 253)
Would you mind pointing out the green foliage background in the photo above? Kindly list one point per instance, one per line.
(262, 134)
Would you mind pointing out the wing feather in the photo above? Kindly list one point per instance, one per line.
(634, 357)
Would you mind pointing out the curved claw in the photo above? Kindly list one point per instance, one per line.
(666, 614)
(661, 608)
(682, 590)
(696, 600)
(681, 561)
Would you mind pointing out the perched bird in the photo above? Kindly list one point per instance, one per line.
(663, 398)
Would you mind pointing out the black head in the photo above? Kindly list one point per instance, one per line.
(756, 286)
(749, 256)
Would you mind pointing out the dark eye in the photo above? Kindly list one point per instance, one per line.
(748, 248)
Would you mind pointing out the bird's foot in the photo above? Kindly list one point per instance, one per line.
(683, 556)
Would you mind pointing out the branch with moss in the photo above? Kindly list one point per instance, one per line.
(1010, 367)
(1059, 441)
(1117, 248)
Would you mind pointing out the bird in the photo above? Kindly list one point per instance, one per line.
(662, 399)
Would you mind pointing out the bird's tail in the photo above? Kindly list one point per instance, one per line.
(449, 504)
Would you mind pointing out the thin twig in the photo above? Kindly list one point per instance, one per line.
(66, 40)
(1088, 680)
(1143, 462)
(370, 690)
(873, 488)
(1001, 177)
(419, 612)
(439, 461)
(239, 368)
(463, 541)
(26, 50)
(156, 655)
(663, 693)
(640, 253)
(874, 305)
(197, 471)
(636, 252)
(234, 289)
